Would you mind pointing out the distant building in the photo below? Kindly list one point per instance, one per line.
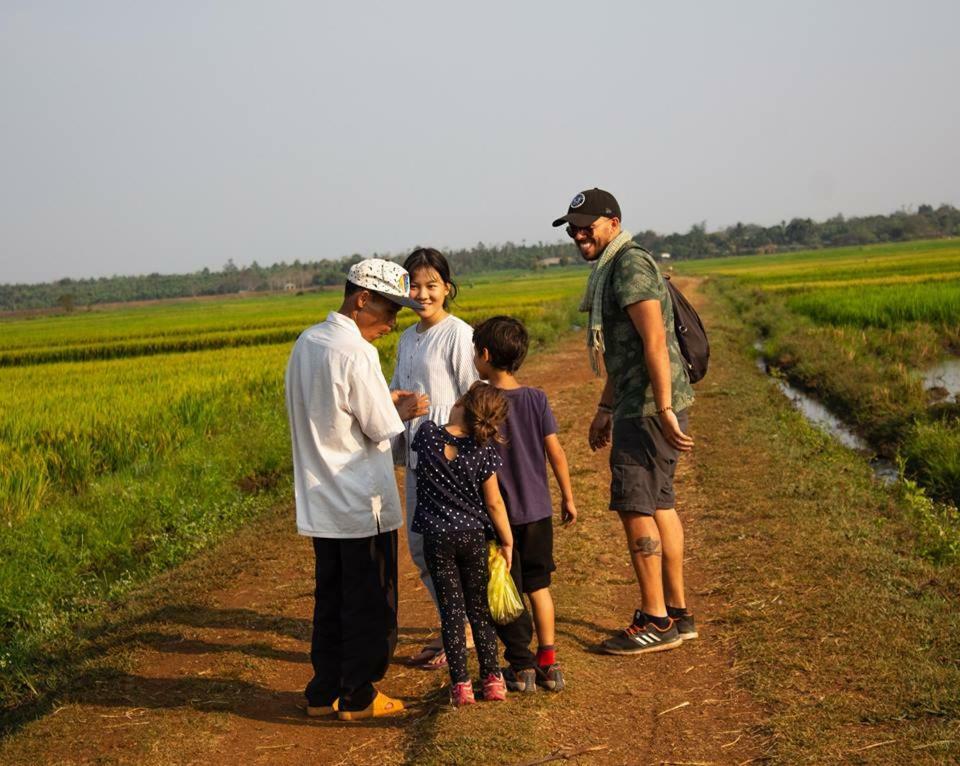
(664, 256)
(289, 287)
(548, 262)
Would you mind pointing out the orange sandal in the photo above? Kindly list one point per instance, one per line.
(382, 705)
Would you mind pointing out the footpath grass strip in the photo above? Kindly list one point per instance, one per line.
(611, 705)
(843, 629)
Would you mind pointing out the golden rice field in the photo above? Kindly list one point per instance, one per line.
(923, 261)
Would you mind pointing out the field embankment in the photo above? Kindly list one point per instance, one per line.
(857, 327)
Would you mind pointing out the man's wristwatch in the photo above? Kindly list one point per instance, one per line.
(604, 407)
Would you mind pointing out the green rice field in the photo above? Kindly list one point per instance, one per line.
(132, 437)
(856, 327)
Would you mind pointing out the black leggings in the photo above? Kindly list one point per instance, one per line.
(458, 566)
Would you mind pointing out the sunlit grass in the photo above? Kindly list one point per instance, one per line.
(924, 260)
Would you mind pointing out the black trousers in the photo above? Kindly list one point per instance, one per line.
(517, 635)
(354, 618)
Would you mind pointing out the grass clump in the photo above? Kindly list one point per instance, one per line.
(931, 452)
(884, 306)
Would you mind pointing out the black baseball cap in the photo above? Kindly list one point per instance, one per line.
(588, 206)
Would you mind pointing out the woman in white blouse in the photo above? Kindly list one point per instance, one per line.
(434, 357)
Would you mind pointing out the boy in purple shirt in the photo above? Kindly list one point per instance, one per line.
(531, 432)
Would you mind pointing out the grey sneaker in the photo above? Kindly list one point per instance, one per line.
(643, 636)
(520, 680)
(551, 677)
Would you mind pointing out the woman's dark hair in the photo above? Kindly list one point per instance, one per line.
(428, 258)
(505, 338)
(485, 408)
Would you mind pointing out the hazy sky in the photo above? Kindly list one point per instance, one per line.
(167, 136)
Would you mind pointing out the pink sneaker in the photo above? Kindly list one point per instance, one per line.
(462, 694)
(494, 688)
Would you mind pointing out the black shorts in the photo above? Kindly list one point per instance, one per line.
(533, 554)
(642, 464)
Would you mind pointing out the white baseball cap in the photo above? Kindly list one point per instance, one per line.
(385, 278)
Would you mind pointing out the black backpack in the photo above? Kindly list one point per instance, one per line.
(691, 335)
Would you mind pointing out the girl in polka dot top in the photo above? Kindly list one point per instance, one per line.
(459, 507)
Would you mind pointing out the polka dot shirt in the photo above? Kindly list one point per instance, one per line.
(449, 496)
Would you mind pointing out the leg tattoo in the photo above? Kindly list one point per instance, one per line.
(646, 546)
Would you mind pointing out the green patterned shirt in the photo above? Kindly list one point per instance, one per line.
(635, 277)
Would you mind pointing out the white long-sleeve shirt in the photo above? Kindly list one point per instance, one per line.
(341, 419)
(439, 363)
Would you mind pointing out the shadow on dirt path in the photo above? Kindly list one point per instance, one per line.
(216, 677)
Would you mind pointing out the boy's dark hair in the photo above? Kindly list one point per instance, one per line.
(506, 340)
(431, 258)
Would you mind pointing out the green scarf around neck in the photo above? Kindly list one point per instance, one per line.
(593, 299)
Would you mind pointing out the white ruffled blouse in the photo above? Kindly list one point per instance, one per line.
(437, 362)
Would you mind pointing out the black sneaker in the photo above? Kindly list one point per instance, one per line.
(686, 627)
(520, 680)
(643, 636)
(550, 677)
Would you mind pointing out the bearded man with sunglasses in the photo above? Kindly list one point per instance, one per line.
(642, 411)
(342, 416)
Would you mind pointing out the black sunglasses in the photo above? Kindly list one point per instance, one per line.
(572, 230)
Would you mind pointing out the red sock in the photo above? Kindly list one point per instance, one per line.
(546, 656)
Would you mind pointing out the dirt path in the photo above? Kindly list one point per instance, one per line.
(213, 674)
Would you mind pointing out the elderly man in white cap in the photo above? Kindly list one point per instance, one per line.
(342, 416)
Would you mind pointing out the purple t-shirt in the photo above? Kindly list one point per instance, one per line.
(523, 476)
(449, 497)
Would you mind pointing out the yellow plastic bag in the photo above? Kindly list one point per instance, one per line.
(505, 603)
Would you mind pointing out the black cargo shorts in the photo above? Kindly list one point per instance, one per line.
(642, 464)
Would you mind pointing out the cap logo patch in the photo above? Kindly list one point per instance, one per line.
(577, 201)
(403, 283)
